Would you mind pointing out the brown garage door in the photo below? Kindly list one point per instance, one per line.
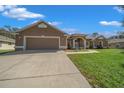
(42, 43)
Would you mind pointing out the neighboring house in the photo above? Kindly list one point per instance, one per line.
(97, 42)
(81, 41)
(116, 42)
(41, 35)
(6, 40)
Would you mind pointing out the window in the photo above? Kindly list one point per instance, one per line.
(42, 25)
(9, 43)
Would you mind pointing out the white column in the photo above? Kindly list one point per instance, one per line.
(102, 43)
(85, 44)
(93, 44)
(73, 43)
(24, 43)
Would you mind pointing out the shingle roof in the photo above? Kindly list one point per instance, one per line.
(92, 37)
(77, 34)
(89, 37)
(38, 22)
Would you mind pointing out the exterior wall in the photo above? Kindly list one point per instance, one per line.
(103, 41)
(6, 46)
(94, 43)
(36, 31)
(63, 42)
(116, 45)
(115, 40)
(89, 43)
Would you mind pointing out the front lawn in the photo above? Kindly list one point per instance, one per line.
(5, 51)
(104, 69)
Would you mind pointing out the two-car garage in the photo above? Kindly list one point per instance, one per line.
(42, 43)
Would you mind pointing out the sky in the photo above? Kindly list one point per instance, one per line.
(105, 20)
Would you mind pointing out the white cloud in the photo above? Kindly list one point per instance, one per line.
(19, 13)
(119, 9)
(9, 6)
(70, 30)
(110, 23)
(55, 23)
(1, 8)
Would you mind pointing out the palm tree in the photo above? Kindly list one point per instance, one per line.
(95, 34)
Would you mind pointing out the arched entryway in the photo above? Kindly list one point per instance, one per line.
(79, 43)
(76, 42)
(100, 44)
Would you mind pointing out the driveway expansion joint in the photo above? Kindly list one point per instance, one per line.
(40, 76)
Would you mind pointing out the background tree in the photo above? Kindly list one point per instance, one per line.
(8, 31)
(95, 34)
(10, 28)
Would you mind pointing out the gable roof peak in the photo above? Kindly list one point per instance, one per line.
(38, 22)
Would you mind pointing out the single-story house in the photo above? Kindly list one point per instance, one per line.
(82, 41)
(41, 35)
(6, 41)
(116, 42)
(97, 42)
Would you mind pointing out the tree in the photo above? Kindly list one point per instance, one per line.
(8, 31)
(10, 28)
(95, 34)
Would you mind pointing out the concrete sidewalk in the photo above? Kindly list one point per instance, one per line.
(52, 69)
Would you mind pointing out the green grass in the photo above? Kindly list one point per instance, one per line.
(104, 69)
(5, 51)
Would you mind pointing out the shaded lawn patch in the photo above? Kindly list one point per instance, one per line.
(5, 51)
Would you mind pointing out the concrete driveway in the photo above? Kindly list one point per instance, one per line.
(39, 69)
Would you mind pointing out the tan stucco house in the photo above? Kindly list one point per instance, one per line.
(116, 42)
(41, 35)
(97, 42)
(6, 40)
(86, 42)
